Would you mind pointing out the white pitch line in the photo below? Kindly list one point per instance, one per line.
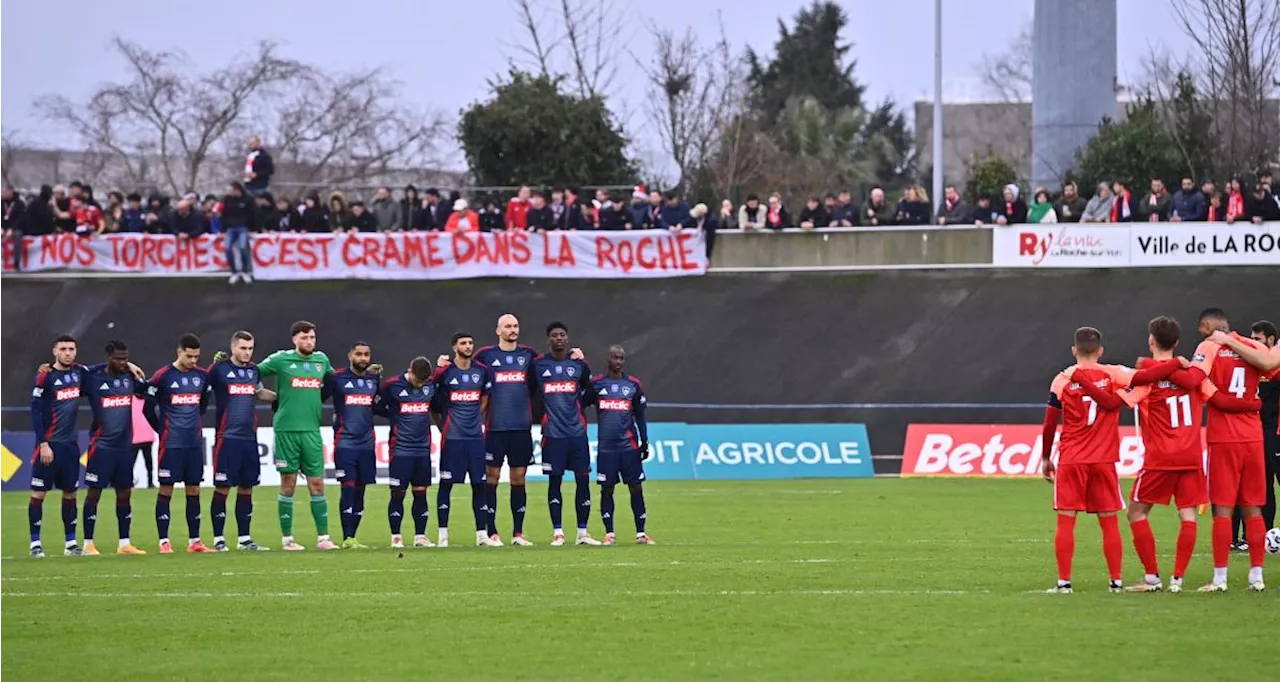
(538, 596)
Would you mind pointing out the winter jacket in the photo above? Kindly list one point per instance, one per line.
(190, 224)
(748, 218)
(539, 219)
(674, 216)
(779, 218)
(639, 214)
(339, 219)
(615, 217)
(1122, 210)
(410, 209)
(516, 215)
(912, 213)
(1069, 211)
(260, 163)
(1014, 212)
(818, 216)
(1189, 206)
(571, 218)
(491, 220)
(1264, 208)
(386, 214)
(956, 214)
(1098, 210)
(878, 214)
(1157, 211)
(986, 215)
(237, 211)
(846, 213)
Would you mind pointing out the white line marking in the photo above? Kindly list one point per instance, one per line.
(488, 594)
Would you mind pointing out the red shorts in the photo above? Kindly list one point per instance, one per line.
(1092, 488)
(1187, 488)
(1237, 474)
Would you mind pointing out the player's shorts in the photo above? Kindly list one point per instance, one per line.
(1237, 474)
(1186, 487)
(108, 468)
(566, 454)
(300, 451)
(180, 465)
(355, 465)
(610, 466)
(1093, 488)
(411, 470)
(514, 446)
(235, 463)
(63, 473)
(462, 458)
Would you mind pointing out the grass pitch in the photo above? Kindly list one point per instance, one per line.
(783, 580)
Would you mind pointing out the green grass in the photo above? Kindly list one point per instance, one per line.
(794, 580)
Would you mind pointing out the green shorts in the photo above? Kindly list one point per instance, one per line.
(300, 451)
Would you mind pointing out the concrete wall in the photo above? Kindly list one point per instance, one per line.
(853, 247)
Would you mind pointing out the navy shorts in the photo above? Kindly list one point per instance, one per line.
(462, 458)
(236, 463)
(516, 447)
(109, 468)
(180, 465)
(63, 473)
(566, 454)
(625, 464)
(356, 465)
(407, 470)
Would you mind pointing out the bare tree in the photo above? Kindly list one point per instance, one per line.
(334, 129)
(1007, 75)
(574, 38)
(12, 144)
(1237, 66)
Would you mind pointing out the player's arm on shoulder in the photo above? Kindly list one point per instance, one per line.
(1202, 359)
(266, 395)
(1226, 402)
(1124, 377)
(1135, 395)
(1106, 398)
(1261, 357)
(270, 365)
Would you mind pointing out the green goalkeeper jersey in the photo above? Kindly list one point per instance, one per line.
(298, 381)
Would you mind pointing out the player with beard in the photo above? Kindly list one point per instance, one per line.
(353, 391)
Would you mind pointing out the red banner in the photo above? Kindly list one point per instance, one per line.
(399, 255)
(993, 450)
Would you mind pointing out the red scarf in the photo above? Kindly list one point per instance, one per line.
(1122, 201)
(1213, 213)
(775, 215)
(1235, 205)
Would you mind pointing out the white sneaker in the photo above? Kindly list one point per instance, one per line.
(246, 278)
(235, 277)
(497, 540)
(586, 539)
(1257, 586)
(520, 541)
(1060, 588)
(444, 538)
(483, 540)
(609, 539)
(1145, 587)
(1214, 587)
(1175, 586)
(397, 542)
(422, 541)
(557, 540)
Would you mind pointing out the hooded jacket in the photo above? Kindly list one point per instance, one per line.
(1190, 206)
(339, 219)
(386, 213)
(237, 211)
(1015, 212)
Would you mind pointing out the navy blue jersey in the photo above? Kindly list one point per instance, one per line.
(353, 395)
(235, 390)
(559, 390)
(620, 406)
(54, 400)
(409, 410)
(509, 406)
(458, 396)
(179, 398)
(111, 397)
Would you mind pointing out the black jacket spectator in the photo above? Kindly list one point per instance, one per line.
(491, 218)
(435, 215)
(956, 212)
(984, 213)
(260, 163)
(1011, 207)
(411, 209)
(912, 213)
(315, 219)
(38, 217)
(571, 218)
(185, 220)
(237, 211)
(846, 213)
(817, 216)
(1260, 205)
(361, 218)
(616, 217)
(540, 219)
(1190, 206)
(15, 211)
(1070, 206)
(266, 218)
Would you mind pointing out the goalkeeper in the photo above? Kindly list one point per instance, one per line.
(299, 375)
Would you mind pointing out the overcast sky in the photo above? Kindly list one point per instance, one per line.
(443, 51)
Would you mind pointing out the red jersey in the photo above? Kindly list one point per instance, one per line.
(1089, 434)
(88, 218)
(1169, 422)
(1230, 373)
(517, 214)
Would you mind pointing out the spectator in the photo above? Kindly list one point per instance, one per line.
(845, 213)
(616, 215)
(539, 216)
(654, 217)
(287, 217)
(699, 220)
(491, 217)
(878, 211)
(1216, 211)
(728, 218)
(362, 219)
(571, 217)
(265, 216)
(674, 214)
(953, 210)
(114, 212)
(1041, 210)
(1262, 206)
(339, 213)
(63, 222)
(777, 217)
(14, 223)
(1264, 179)
(1098, 210)
(590, 214)
(385, 211)
(913, 208)
(1070, 206)
(462, 218)
(184, 221)
(446, 205)
(238, 218)
(814, 215)
(984, 213)
(752, 215)
(1014, 208)
(1155, 207)
(557, 205)
(258, 168)
(88, 218)
(410, 209)
(38, 217)
(1235, 200)
(517, 208)
(434, 216)
(133, 217)
(1188, 204)
(315, 219)
(639, 207)
(829, 205)
(1122, 208)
